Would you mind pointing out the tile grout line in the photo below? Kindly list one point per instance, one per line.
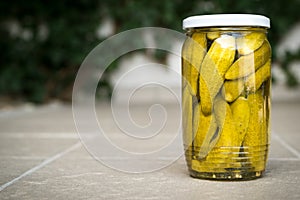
(286, 145)
(43, 164)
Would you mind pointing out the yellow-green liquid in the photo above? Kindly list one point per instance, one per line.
(231, 140)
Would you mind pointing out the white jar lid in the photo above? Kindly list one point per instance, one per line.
(221, 20)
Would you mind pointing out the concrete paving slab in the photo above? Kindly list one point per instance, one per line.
(12, 167)
(286, 124)
(286, 118)
(55, 120)
(42, 162)
(68, 178)
(279, 151)
(35, 147)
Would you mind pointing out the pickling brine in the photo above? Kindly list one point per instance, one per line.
(226, 80)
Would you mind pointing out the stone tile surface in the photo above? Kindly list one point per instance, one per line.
(42, 141)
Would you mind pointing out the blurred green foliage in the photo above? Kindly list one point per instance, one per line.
(44, 42)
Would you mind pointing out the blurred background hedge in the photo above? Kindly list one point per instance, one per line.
(44, 42)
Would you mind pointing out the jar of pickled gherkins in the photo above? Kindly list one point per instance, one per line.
(226, 80)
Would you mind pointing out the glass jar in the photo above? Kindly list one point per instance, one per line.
(226, 80)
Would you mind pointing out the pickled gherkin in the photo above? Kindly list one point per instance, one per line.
(255, 80)
(205, 138)
(187, 111)
(250, 42)
(240, 115)
(216, 62)
(255, 139)
(226, 102)
(193, 54)
(213, 35)
(232, 89)
(248, 64)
